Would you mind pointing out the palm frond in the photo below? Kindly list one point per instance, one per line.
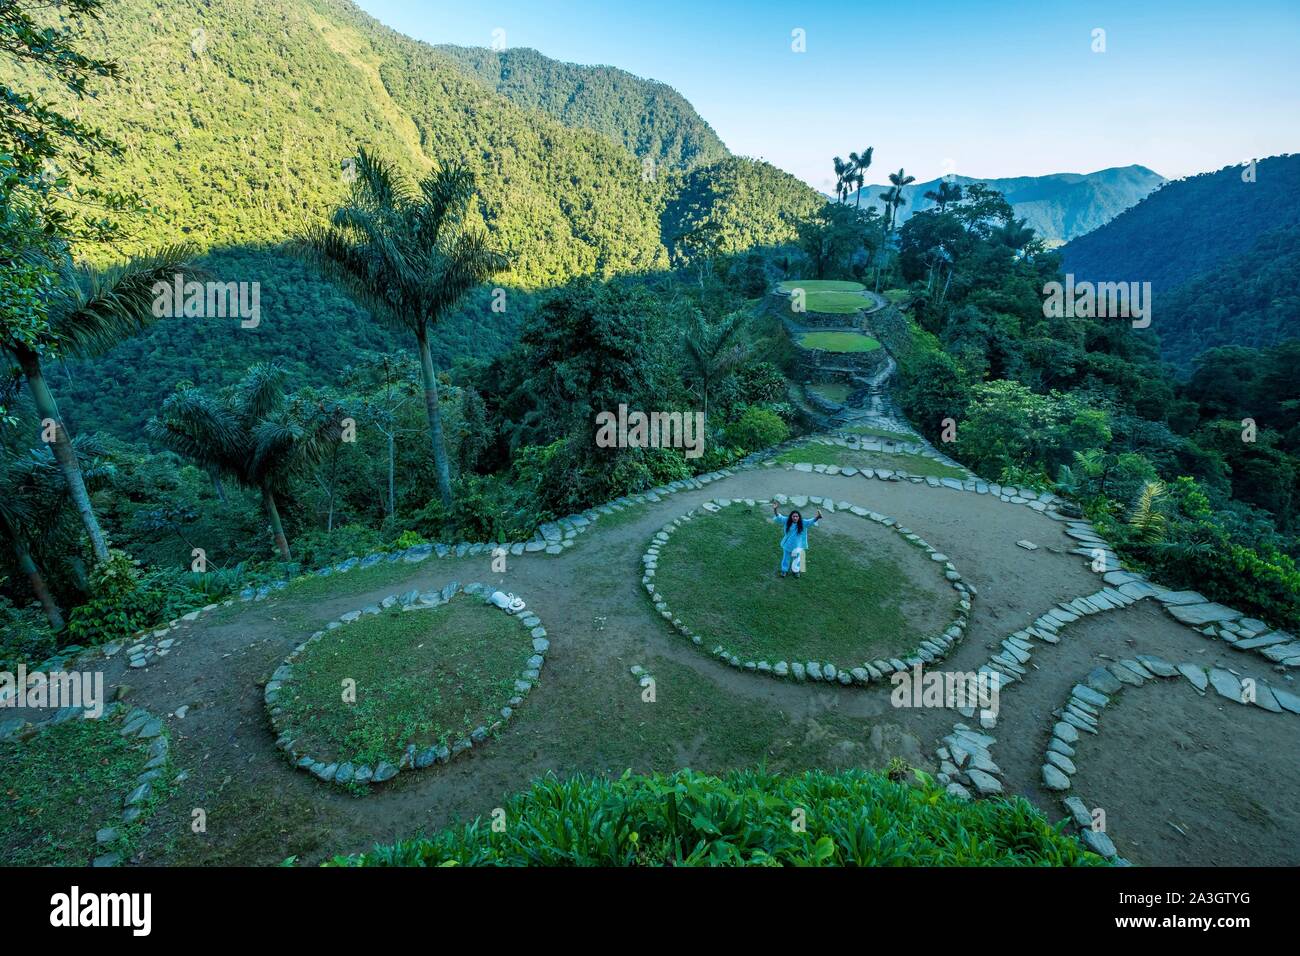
(261, 392)
(1145, 518)
(93, 310)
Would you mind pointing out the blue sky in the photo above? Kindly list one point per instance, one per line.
(980, 89)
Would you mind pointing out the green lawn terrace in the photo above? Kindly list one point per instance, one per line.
(824, 297)
(830, 394)
(846, 342)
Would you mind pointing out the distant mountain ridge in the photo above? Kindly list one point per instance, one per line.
(646, 117)
(1059, 206)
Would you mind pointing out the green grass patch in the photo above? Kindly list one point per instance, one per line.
(834, 296)
(834, 303)
(817, 454)
(61, 786)
(874, 432)
(838, 341)
(718, 574)
(852, 818)
(896, 296)
(821, 285)
(422, 677)
(832, 392)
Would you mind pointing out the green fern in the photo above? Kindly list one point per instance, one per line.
(1146, 520)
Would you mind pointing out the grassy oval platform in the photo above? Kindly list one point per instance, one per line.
(63, 793)
(852, 818)
(837, 341)
(835, 392)
(821, 285)
(403, 686)
(833, 296)
(874, 598)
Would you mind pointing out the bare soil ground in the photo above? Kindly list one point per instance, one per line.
(1227, 774)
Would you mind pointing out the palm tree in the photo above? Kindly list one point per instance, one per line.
(89, 311)
(255, 436)
(898, 180)
(1015, 233)
(843, 171)
(945, 194)
(860, 163)
(711, 351)
(407, 256)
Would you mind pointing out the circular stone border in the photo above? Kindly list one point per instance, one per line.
(928, 651)
(346, 773)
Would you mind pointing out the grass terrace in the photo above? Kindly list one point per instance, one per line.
(830, 295)
(424, 677)
(837, 341)
(867, 593)
(836, 392)
(871, 431)
(817, 454)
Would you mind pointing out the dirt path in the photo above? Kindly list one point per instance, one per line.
(587, 714)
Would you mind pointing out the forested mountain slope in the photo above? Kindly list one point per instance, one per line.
(1190, 225)
(1059, 207)
(737, 203)
(238, 119)
(649, 119)
(1227, 241)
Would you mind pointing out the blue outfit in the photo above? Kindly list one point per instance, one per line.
(793, 540)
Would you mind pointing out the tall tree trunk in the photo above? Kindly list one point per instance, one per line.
(277, 529)
(64, 453)
(435, 418)
(37, 582)
(216, 486)
(392, 469)
(79, 576)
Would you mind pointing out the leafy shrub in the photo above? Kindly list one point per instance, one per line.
(318, 548)
(852, 818)
(1007, 425)
(485, 508)
(408, 539)
(757, 428)
(121, 602)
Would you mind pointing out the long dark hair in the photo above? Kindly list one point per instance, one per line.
(790, 520)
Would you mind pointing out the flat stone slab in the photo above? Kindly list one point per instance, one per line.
(1195, 674)
(1264, 640)
(1226, 684)
(1196, 615)
(1098, 842)
(1181, 597)
(1288, 700)
(984, 782)
(1100, 679)
(1054, 779)
(1157, 665)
